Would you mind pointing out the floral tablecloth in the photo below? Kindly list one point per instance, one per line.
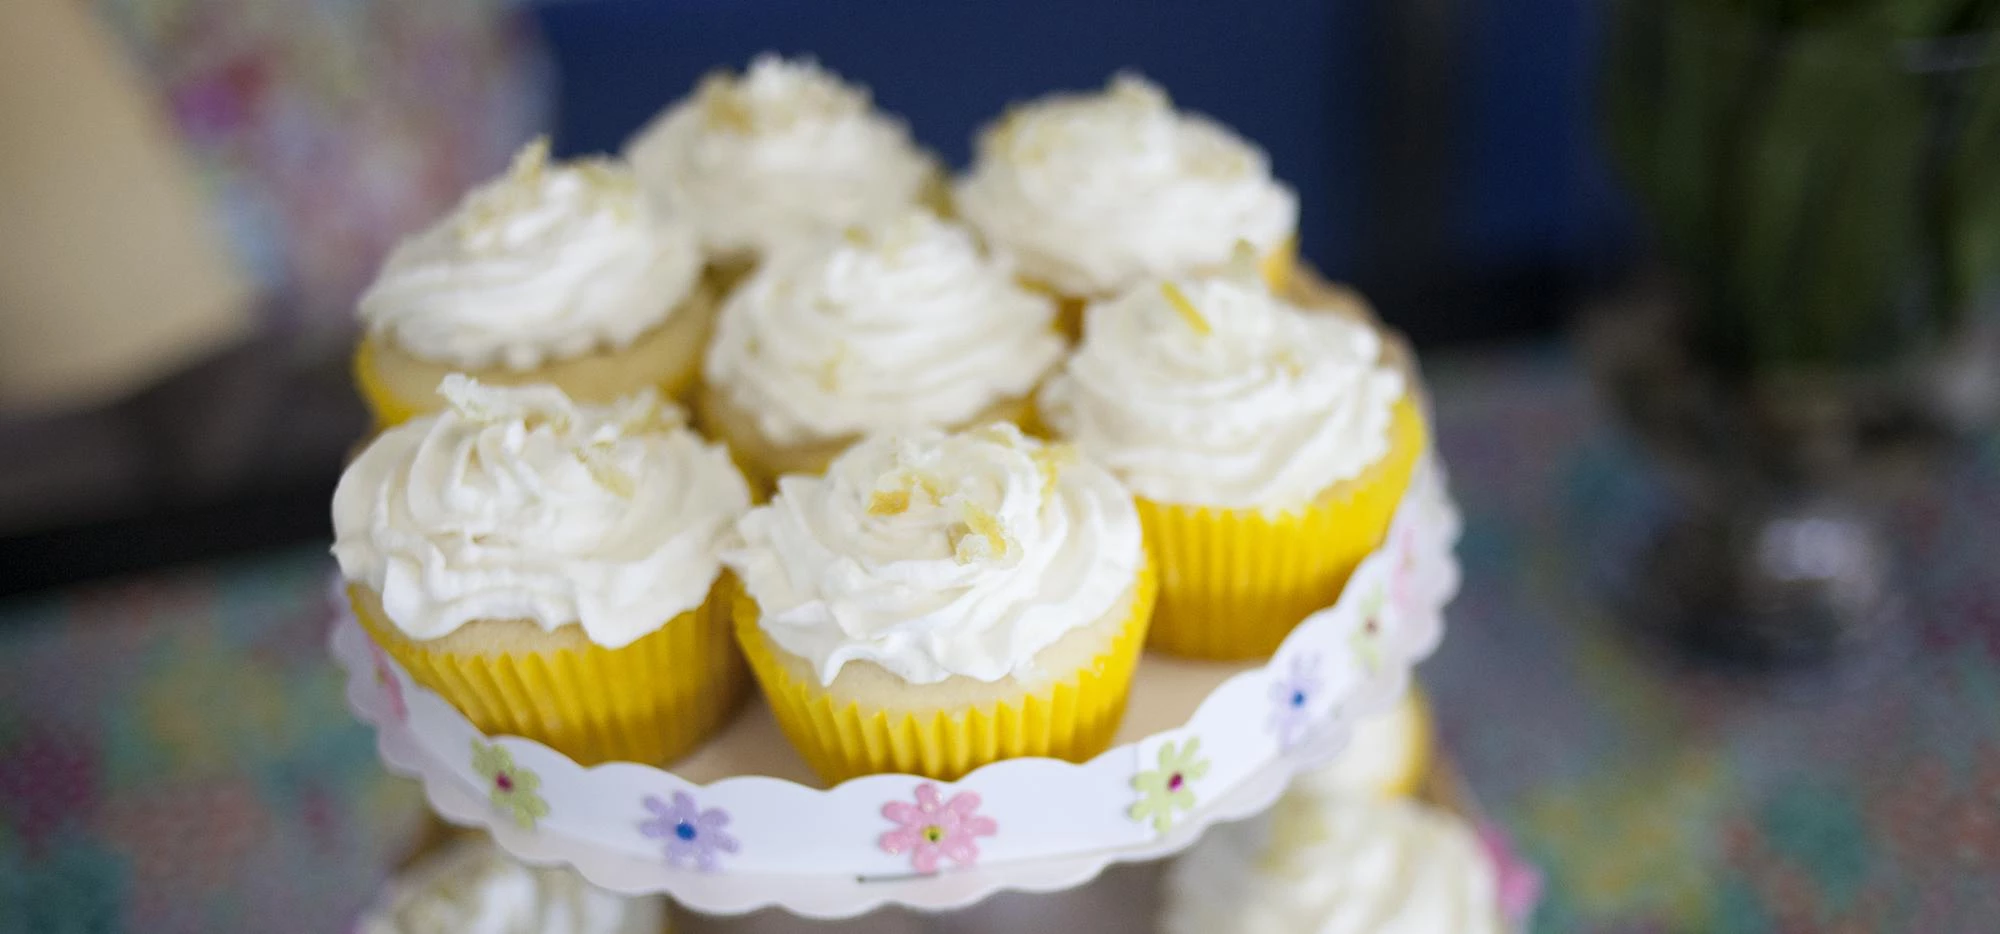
(175, 755)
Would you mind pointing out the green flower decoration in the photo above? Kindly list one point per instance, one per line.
(513, 786)
(1366, 640)
(1165, 790)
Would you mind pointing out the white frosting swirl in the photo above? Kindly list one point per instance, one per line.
(514, 503)
(935, 555)
(473, 888)
(1346, 865)
(897, 326)
(544, 263)
(1214, 392)
(1095, 192)
(786, 150)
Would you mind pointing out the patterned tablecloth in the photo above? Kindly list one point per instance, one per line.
(175, 755)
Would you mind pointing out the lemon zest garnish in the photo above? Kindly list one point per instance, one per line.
(927, 484)
(979, 535)
(889, 502)
(597, 459)
(721, 106)
(1185, 308)
(1051, 459)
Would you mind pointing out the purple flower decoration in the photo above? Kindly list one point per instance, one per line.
(693, 836)
(1291, 700)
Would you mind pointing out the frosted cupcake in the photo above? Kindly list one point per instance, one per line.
(936, 602)
(554, 273)
(1336, 865)
(1093, 194)
(547, 567)
(1267, 446)
(901, 325)
(473, 887)
(785, 150)
(1389, 755)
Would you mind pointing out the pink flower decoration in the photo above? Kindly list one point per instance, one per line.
(385, 678)
(1519, 881)
(932, 828)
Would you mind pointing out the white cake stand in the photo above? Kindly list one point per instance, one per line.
(741, 824)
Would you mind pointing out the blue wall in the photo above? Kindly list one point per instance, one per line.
(1285, 77)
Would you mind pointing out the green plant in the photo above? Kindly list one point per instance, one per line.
(1823, 175)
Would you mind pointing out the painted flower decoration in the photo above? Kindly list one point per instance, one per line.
(1366, 640)
(513, 787)
(392, 688)
(1167, 789)
(1291, 700)
(933, 828)
(693, 836)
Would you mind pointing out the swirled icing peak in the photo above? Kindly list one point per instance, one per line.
(473, 888)
(1092, 193)
(1336, 865)
(785, 150)
(549, 261)
(1215, 392)
(898, 325)
(515, 503)
(934, 555)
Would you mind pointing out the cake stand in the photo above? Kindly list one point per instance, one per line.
(741, 824)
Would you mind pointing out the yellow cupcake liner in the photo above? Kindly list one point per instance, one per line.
(651, 701)
(1234, 582)
(1074, 718)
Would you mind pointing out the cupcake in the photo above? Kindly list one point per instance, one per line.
(1093, 194)
(1389, 755)
(896, 326)
(783, 151)
(1267, 446)
(562, 274)
(548, 567)
(471, 886)
(936, 602)
(1336, 865)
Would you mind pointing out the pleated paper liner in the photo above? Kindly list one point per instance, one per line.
(1235, 582)
(650, 701)
(1073, 718)
(399, 386)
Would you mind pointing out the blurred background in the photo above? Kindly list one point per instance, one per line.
(1705, 290)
